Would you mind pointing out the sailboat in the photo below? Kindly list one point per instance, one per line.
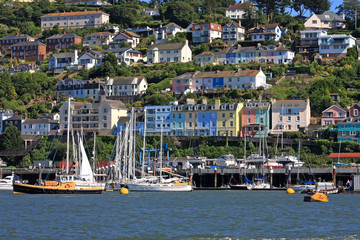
(82, 182)
(176, 183)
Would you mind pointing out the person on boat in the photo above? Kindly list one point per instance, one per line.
(348, 184)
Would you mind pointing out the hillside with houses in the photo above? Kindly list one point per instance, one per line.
(221, 70)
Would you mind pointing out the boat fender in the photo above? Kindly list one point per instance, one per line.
(67, 185)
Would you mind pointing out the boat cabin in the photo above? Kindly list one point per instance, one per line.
(67, 178)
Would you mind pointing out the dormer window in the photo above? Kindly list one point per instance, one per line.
(190, 107)
(223, 106)
(231, 106)
(196, 107)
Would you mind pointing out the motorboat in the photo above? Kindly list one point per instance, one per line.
(7, 182)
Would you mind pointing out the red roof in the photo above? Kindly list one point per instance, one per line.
(344, 155)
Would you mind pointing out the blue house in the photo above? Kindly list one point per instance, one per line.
(155, 116)
(178, 121)
(349, 130)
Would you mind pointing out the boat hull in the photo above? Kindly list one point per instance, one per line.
(20, 188)
(145, 187)
(6, 187)
(238, 187)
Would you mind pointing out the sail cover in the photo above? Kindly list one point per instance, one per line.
(85, 168)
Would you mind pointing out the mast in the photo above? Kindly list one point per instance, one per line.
(134, 147)
(245, 145)
(68, 139)
(144, 145)
(298, 158)
(161, 147)
(94, 153)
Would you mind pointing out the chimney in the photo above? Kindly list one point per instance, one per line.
(190, 101)
(280, 44)
(204, 101)
(258, 44)
(107, 78)
(238, 46)
(217, 103)
(247, 100)
(186, 42)
(239, 23)
(217, 71)
(102, 98)
(242, 1)
(85, 10)
(343, 16)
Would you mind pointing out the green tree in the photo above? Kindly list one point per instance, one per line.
(352, 52)
(349, 7)
(180, 12)
(11, 93)
(12, 139)
(111, 58)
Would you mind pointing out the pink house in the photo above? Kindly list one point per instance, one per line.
(333, 115)
(182, 83)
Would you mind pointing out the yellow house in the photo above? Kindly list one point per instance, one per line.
(228, 118)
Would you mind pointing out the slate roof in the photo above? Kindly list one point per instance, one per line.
(279, 104)
(39, 121)
(16, 37)
(172, 25)
(64, 55)
(31, 43)
(330, 16)
(65, 35)
(166, 46)
(126, 80)
(121, 50)
(227, 74)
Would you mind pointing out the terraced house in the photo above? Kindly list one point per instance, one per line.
(193, 119)
(62, 41)
(6, 42)
(92, 89)
(290, 115)
(228, 118)
(29, 51)
(255, 118)
(201, 81)
(98, 39)
(73, 20)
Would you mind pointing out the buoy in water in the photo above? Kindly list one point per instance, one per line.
(317, 197)
(290, 191)
(124, 191)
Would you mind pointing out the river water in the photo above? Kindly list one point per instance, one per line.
(194, 215)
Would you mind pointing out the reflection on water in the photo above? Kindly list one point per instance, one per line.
(199, 214)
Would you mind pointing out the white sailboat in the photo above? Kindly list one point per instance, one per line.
(176, 183)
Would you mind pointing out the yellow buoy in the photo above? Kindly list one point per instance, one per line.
(290, 191)
(124, 191)
(317, 197)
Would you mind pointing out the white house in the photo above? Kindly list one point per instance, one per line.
(120, 86)
(333, 46)
(151, 11)
(98, 39)
(169, 52)
(233, 32)
(128, 37)
(90, 59)
(38, 126)
(266, 32)
(164, 32)
(205, 32)
(127, 55)
(237, 11)
(327, 20)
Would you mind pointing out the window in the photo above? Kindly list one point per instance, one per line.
(298, 127)
(356, 112)
(223, 123)
(231, 123)
(343, 133)
(223, 115)
(289, 119)
(297, 118)
(231, 115)
(314, 21)
(249, 120)
(190, 115)
(190, 124)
